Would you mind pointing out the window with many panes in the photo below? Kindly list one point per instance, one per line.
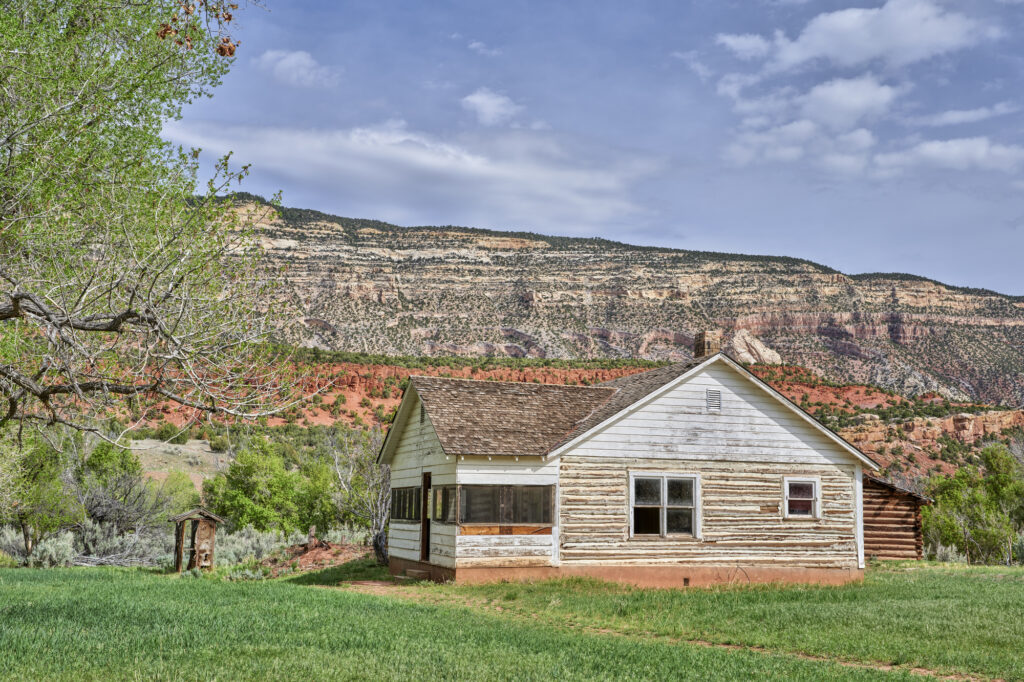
(802, 498)
(405, 504)
(506, 504)
(664, 504)
(444, 504)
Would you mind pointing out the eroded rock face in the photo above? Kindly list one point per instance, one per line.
(373, 287)
(916, 440)
(746, 348)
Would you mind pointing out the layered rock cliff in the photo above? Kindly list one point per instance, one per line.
(369, 286)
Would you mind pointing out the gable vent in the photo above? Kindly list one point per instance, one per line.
(714, 400)
(423, 413)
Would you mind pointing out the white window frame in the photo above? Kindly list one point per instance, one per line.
(816, 505)
(664, 476)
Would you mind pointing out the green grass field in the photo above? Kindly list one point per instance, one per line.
(124, 624)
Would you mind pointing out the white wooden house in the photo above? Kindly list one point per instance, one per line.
(693, 473)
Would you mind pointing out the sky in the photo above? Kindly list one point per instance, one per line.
(866, 136)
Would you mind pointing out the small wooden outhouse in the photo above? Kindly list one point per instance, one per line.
(201, 538)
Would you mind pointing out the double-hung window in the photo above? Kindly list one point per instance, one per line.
(664, 505)
(802, 497)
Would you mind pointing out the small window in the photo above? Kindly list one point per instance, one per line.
(714, 400)
(664, 504)
(802, 498)
(444, 504)
(506, 504)
(405, 504)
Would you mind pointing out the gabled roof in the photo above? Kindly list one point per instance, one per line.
(474, 417)
(496, 418)
(195, 514)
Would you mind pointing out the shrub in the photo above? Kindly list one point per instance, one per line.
(249, 543)
(220, 444)
(58, 550)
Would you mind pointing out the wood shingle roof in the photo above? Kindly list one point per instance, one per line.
(504, 418)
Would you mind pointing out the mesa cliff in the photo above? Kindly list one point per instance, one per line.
(367, 286)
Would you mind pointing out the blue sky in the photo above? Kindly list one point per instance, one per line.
(868, 136)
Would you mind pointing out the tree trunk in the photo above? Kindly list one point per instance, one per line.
(380, 547)
(26, 536)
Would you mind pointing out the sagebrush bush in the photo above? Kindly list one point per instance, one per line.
(346, 536)
(58, 550)
(940, 552)
(249, 543)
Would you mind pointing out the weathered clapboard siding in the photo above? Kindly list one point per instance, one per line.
(892, 523)
(504, 550)
(419, 451)
(741, 515)
(506, 471)
(751, 426)
(741, 453)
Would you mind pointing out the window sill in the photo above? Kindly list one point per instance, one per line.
(675, 537)
(505, 529)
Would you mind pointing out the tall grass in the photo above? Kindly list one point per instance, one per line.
(951, 618)
(110, 624)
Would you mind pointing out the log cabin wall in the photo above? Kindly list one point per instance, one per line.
(892, 522)
(740, 516)
(741, 451)
(419, 451)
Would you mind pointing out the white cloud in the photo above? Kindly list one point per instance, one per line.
(787, 142)
(969, 153)
(699, 68)
(491, 109)
(482, 49)
(504, 179)
(297, 68)
(748, 46)
(843, 102)
(900, 32)
(960, 116)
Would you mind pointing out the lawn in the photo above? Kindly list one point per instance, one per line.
(952, 619)
(103, 624)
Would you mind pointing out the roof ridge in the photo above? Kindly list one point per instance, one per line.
(524, 383)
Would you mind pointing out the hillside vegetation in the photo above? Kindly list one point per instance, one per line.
(372, 287)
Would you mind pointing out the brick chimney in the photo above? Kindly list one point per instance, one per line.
(707, 342)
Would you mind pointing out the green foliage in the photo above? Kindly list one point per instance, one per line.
(108, 461)
(120, 266)
(180, 492)
(259, 490)
(979, 511)
(45, 504)
(170, 433)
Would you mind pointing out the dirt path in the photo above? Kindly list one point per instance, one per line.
(380, 588)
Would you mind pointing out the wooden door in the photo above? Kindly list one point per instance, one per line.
(425, 519)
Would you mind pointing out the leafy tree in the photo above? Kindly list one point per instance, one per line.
(979, 511)
(259, 490)
(45, 500)
(180, 492)
(122, 276)
(364, 485)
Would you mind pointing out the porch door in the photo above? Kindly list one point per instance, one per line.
(425, 519)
